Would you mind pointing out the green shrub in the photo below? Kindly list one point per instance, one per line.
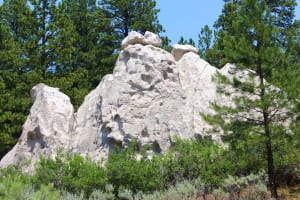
(125, 171)
(190, 167)
(245, 153)
(13, 184)
(252, 186)
(287, 160)
(71, 172)
(192, 159)
(47, 192)
(181, 191)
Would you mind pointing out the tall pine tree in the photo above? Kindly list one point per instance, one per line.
(95, 43)
(250, 37)
(16, 75)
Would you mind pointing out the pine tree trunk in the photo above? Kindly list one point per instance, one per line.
(126, 26)
(268, 139)
(43, 39)
(271, 174)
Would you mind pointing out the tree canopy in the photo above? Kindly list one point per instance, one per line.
(257, 35)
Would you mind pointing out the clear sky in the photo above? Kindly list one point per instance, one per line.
(186, 18)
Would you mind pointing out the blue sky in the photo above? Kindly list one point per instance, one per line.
(186, 18)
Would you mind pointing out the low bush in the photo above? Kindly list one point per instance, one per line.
(194, 159)
(70, 172)
(252, 186)
(190, 168)
(124, 171)
(15, 185)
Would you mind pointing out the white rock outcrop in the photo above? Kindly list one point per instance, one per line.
(151, 97)
(142, 100)
(47, 128)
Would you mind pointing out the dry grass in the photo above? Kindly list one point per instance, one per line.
(289, 193)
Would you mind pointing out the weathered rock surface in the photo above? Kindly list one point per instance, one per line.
(151, 97)
(142, 100)
(47, 128)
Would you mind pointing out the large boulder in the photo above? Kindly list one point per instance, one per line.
(141, 100)
(151, 97)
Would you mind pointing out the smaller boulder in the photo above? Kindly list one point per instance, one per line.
(229, 69)
(137, 38)
(132, 38)
(179, 50)
(152, 39)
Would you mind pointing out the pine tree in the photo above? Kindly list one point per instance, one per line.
(17, 17)
(15, 81)
(128, 15)
(30, 46)
(251, 38)
(54, 50)
(282, 12)
(95, 42)
(62, 42)
(205, 41)
(44, 34)
(186, 41)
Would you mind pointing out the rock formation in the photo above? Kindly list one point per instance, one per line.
(47, 128)
(151, 97)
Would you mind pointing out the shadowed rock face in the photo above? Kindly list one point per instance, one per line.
(151, 97)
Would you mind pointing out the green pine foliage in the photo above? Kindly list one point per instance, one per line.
(251, 34)
(94, 40)
(205, 42)
(130, 15)
(72, 44)
(69, 44)
(185, 41)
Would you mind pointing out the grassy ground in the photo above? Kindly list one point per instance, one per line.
(290, 193)
(286, 193)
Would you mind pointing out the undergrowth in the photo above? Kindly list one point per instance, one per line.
(190, 169)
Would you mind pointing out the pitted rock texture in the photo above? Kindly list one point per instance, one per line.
(151, 97)
(142, 100)
(47, 128)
